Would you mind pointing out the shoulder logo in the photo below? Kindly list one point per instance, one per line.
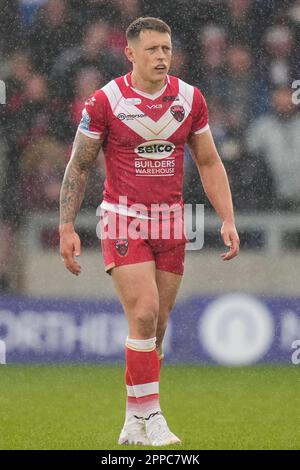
(90, 101)
(177, 112)
(85, 120)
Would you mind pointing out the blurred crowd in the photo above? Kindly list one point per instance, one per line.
(244, 55)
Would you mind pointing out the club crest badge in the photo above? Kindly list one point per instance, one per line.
(121, 246)
(177, 112)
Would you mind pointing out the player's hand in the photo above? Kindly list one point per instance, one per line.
(231, 239)
(69, 248)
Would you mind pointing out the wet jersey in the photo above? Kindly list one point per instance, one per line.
(143, 138)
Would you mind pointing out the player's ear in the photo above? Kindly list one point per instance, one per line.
(129, 52)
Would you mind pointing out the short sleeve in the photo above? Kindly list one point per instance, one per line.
(199, 113)
(94, 116)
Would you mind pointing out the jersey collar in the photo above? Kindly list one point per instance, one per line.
(127, 80)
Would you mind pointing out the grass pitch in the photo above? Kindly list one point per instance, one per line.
(82, 407)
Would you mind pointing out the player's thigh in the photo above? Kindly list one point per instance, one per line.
(169, 261)
(168, 284)
(136, 288)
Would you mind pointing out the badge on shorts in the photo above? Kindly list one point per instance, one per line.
(177, 112)
(121, 246)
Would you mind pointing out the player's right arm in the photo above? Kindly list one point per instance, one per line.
(84, 154)
(212, 173)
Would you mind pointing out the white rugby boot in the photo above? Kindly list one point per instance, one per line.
(134, 433)
(158, 431)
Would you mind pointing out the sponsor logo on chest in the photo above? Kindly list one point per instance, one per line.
(154, 158)
(155, 149)
(123, 116)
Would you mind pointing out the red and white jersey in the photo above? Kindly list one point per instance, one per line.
(143, 138)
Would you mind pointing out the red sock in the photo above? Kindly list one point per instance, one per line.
(143, 373)
(132, 407)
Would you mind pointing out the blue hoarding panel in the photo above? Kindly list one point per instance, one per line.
(231, 329)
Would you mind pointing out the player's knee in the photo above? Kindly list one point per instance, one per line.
(146, 314)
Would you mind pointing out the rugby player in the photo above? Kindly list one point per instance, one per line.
(142, 121)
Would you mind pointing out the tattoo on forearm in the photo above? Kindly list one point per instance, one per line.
(84, 154)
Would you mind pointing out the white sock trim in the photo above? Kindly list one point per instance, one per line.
(142, 390)
(130, 391)
(143, 345)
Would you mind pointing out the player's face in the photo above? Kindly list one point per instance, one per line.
(151, 55)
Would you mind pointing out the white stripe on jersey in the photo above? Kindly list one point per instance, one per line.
(151, 97)
(113, 94)
(203, 129)
(145, 127)
(186, 91)
(91, 134)
(122, 210)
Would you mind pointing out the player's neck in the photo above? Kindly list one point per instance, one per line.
(145, 86)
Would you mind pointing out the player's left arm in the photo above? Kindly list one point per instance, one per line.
(216, 186)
